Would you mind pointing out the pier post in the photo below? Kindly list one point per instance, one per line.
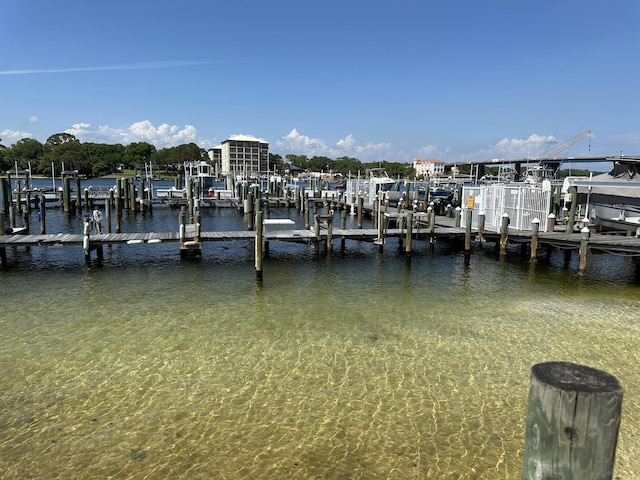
(409, 232)
(573, 191)
(183, 227)
(5, 193)
(551, 223)
(432, 226)
(458, 212)
(248, 210)
(258, 245)
(132, 197)
(108, 206)
(584, 248)
(307, 219)
(43, 215)
(66, 194)
(78, 194)
(86, 241)
(374, 213)
(3, 250)
(124, 192)
(535, 228)
(504, 233)
(481, 221)
(572, 423)
(360, 210)
(118, 199)
(468, 217)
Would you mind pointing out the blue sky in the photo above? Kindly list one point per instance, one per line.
(377, 80)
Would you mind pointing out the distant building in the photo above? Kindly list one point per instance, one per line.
(430, 168)
(241, 155)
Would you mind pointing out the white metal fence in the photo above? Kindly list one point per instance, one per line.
(522, 202)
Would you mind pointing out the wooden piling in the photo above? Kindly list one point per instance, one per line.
(43, 216)
(86, 240)
(409, 232)
(78, 194)
(572, 423)
(108, 206)
(432, 227)
(504, 233)
(584, 248)
(573, 191)
(468, 216)
(535, 228)
(3, 250)
(551, 223)
(481, 222)
(258, 245)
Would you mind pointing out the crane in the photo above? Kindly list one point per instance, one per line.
(566, 145)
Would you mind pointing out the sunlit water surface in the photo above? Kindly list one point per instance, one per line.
(354, 365)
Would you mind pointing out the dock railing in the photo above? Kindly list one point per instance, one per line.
(522, 202)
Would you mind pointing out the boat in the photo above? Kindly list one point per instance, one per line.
(611, 200)
(202, 175)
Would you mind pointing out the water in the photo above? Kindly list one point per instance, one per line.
(355, 365)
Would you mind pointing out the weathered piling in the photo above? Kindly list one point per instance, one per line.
(535, 228)
(432, 227)
(86, 240)
(42, 216)
(573, 192)
(481, 222)
(504, 233)
(584, 248)
(468, 216)
(3, 250)
(258, 245)
(409, 232)
(551, 222)
(572, 423)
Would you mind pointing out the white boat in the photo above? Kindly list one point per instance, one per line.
(376, 181)
(201, 173)
(611, 200)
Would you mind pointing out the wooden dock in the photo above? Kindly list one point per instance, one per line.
(444, 229)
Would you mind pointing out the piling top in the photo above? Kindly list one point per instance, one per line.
(576, 378)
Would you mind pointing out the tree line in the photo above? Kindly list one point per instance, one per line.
(91, 159)
(99, 159)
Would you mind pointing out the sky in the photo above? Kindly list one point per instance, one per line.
(455, 80)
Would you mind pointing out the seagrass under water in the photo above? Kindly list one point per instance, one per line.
(358, 365)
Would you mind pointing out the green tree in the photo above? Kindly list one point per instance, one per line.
(25, 152)
(138, 153)
(103, 158)
(276, 161)
(346, 165)
(300, 161)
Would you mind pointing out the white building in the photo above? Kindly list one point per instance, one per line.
(241, 155)
(428, 168)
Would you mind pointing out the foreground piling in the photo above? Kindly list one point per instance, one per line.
(572, 423)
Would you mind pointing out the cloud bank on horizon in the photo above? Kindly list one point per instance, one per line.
(294, 142)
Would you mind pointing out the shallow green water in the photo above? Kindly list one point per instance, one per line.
(357, 367)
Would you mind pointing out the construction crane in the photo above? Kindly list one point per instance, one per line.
(566, 145)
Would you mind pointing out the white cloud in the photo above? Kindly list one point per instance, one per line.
(296, 143)
(33, 119)
(536, 146)
(10, 137)
(162, 136)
